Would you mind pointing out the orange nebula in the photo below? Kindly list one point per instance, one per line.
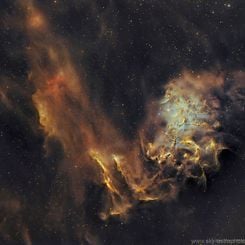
(36, 20)
(177, 141)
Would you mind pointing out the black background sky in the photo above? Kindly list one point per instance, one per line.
(128, 50)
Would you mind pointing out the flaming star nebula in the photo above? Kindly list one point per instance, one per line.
(122, 122)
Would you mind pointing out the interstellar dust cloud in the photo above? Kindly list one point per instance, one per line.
(179, 140)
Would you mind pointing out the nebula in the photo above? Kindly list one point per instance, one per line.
(179, 139)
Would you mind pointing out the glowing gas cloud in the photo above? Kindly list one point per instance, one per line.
(178, 140)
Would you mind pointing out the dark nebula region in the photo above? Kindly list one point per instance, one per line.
(122, 121)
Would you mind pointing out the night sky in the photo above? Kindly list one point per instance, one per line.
(125, 51)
